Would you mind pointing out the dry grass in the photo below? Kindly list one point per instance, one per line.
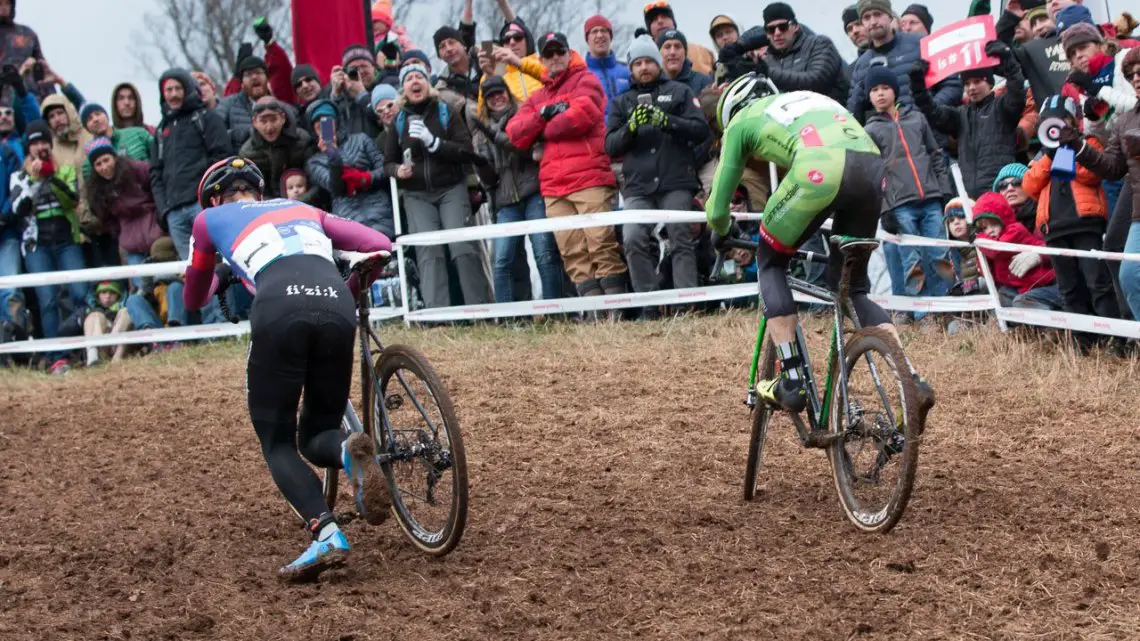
(606, 464)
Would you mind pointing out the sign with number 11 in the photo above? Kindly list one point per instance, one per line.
(958, 47)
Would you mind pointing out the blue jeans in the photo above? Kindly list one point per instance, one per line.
(921, 276)
(1047, 298)
(180, 221)
(545, 252)
(175, 309)
(10, 266)
(52, 258)
(1130, 271)
(142, 314)
(135, 259)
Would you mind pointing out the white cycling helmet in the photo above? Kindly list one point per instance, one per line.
(740, 93)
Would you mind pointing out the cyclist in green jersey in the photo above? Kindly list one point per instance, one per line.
(833, 167)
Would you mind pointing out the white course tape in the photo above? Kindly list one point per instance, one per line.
(94, 274)
(1074, 322)
(160, 335)
(1055, 251)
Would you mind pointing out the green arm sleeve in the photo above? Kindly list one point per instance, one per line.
(728, 173)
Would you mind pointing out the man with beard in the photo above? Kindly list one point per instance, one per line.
(655, 126)
(277, 145)
(237, 110)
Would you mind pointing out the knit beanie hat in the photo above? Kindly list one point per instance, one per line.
(382, 12)
(355, 52)
(304, 72)
(874, 5)
(321, 108)
(1079, 34)
(1012, 170)
(494, 84)
(882, 75)
(289, 174)
(249, 63)
(415, 56)
(593, 22)
(778, 11)
(98, 147)
(380, 92)
(1131, 58)
(1073, 15)
(445, 32)
(956, 208)
(35, 131)
(922, 13)
(850, 14)
(654, 9)
(162, 250)
(643, 47)
(994, 206)
(671, 34)
(985, 73)
(408, 70)
(109, 286)
(1036, 12)
(88, 109)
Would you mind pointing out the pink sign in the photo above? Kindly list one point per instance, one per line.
(958, 47)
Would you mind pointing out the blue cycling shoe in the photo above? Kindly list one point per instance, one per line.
(369, 486)
(321, 555)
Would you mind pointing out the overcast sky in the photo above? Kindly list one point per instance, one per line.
(88, 41)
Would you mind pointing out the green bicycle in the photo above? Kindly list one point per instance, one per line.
(869, 427)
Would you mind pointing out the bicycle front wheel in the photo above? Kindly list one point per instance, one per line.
(426, 463)
(874, 461)
(761, 415)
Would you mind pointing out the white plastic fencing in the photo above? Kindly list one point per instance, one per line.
(947, 304)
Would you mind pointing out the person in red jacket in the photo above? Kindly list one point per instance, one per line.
(1024, 279)
(567, 120)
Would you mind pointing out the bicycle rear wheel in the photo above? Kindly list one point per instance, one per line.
(874, 462)
(761, 415)
(427, 464)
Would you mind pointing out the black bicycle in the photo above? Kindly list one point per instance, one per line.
(409, 414)
(870, 428)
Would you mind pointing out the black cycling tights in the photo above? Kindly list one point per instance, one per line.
(301, 338)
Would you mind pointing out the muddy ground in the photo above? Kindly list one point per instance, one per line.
(606, 471)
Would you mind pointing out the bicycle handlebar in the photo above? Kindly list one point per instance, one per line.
(225, 279)
(749, 246)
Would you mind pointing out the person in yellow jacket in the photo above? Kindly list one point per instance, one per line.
(514, 59)
(659, 17)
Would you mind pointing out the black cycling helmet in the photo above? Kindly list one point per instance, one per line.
(223, 173)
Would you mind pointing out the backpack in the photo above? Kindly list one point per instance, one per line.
(444, 117)
(195, 118)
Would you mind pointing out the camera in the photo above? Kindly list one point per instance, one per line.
(354, 74)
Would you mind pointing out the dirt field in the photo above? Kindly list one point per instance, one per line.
(606, 466)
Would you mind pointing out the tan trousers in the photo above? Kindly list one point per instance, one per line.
(755, 180)
(591, 252)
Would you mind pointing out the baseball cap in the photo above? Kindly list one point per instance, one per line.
(552, 37)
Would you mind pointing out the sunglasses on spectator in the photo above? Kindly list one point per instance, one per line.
(661, 4)
(302, 81)
(513, 37)
(7, 112)
(778, 27)
(1007, 183)
(553, 52)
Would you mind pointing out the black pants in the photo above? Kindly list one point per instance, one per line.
(1119, 222)
(1085, 284)
(302, 329)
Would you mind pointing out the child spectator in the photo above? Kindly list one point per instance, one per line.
(965, 259)
(294, 184)
(1072, 214)
(915, 181)
(384, 104)
(516, 196)
(106, 315)
(1008, 184)
(1024, 279)
(276, 143)
(119, 195)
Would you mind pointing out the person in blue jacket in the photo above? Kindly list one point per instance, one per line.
(601, 61)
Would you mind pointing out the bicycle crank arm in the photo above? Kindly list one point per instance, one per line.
(816, 439)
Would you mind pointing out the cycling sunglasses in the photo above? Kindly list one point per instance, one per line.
(513, 37)
(1006, 183)
(778, 27)
(240, 187)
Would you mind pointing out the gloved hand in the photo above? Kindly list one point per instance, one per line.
(917, 75)
(11, 77)
(244, 51)
(730, 52)
(356, 180)
(999, 50)
(47, 168)
(550, 111)
(1069, 137)
(417, 129)
(1082, 81)
(719, 242)
(890, 223)
(1131, 142)
(638, 118)
(658, 118)
(262, 29)
(1024, 262)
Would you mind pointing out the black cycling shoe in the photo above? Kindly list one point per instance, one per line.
(925, 401)
(783, 393)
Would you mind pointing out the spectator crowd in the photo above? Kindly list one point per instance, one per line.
(525, 127)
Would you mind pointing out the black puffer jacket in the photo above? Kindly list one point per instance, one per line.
(657, 160)
(186, 142)
(440, 169)
(812, 63)
(516, 170)
(986, 131)
(290, 151)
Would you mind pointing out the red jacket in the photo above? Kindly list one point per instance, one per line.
(1012, 232)
(280, 72)
(574, 154)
